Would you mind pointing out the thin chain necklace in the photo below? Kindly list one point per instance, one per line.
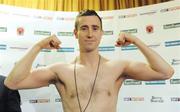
(92, 86)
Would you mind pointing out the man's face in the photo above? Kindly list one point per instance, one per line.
(88, 33)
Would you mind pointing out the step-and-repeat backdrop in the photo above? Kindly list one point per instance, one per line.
(156, 25)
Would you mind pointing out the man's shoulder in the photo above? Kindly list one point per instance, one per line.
(117, 62)
(61, 64)
(60, 67)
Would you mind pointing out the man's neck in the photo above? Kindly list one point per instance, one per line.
(89, 58)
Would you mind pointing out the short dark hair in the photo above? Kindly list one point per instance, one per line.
(86, 12)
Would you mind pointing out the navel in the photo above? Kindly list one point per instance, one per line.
(72, 96)
(109, 93)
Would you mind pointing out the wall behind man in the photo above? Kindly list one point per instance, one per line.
(157, 25)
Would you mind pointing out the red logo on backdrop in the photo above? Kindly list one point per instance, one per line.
(149, 29)
(20, 31)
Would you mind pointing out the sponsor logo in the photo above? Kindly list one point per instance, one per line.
(39, 101)
(149, 29)
(65, 49)
(175, 62)
(134, 99)
(129, 47)
(58, 100)
(132, 82)
(106, 48)
(66, 19)
(127, 16)
(36, 32)
(108, 32)
(175, 99)
(40, 65)
(43, 17)
(18, 48)
(107, 17)
(173, 25)
(170, 9)
(130, 31)
(159, 82)
(3, 47)
(20, 31)
(154, 45)
(157, 99)
(148, 13)
(45, 50)
(175, 81)
(3, 29)
(172, 43)
(22, 15)
(65, 33)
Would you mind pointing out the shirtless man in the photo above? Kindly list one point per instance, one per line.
(91, 82)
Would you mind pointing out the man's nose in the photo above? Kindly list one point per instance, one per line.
(90, 33)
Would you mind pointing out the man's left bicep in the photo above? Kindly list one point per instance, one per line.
(142, 71)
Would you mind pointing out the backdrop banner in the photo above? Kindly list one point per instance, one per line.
(157, 25)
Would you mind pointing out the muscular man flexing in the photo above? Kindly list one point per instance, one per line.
(91, 82)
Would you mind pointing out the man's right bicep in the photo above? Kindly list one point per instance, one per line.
(37, 78)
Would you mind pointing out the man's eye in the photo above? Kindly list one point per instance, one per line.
(84, 28)
(95, 29)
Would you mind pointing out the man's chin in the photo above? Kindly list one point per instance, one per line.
(89, 49)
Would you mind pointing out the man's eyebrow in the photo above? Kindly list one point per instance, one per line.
(86, 26)
(97, 26)
(83, 26)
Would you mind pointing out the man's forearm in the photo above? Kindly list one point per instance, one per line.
(23, 67)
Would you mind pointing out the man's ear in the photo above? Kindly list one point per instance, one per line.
(75, 33)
